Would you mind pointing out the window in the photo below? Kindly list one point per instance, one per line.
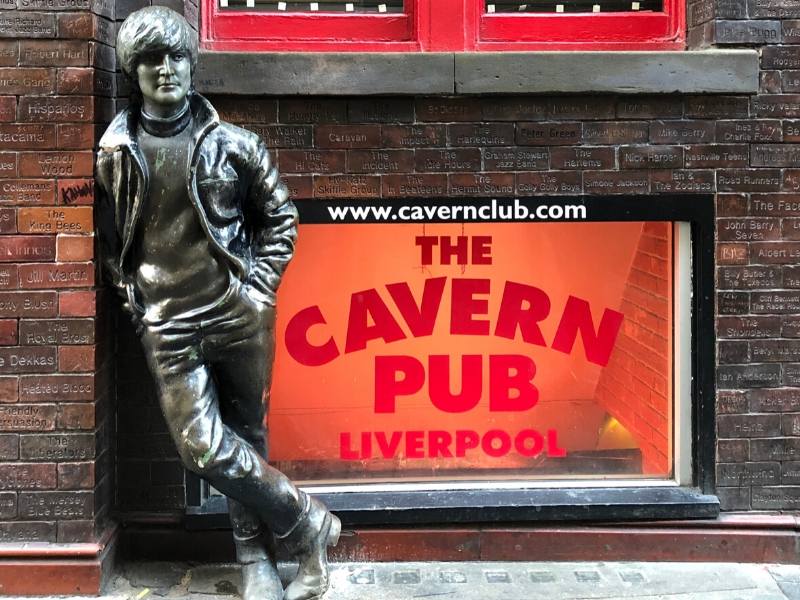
(442, 25)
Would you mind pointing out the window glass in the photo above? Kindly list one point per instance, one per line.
(354, 6)
(573, 6)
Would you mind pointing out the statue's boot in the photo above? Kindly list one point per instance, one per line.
(259, 574)
(308, 541)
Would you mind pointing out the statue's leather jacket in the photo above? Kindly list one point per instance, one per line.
(242, 205)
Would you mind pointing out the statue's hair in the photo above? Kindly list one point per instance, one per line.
(153, 29)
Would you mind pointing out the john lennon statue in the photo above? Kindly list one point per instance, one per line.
(196, 230)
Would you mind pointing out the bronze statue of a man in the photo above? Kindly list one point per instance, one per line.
(196, 231)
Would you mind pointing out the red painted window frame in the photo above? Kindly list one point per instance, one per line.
(442, 25)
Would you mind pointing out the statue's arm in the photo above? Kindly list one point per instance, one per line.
(273, 225)
(107, 231)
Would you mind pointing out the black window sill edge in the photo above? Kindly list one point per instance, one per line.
(711, 71)
(369, 508)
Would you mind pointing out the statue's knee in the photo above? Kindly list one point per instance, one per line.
(198, 451)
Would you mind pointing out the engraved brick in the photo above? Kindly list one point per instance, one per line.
(775, 302)
(380, 161)
(775, 498)
(582, 158)
(700, 12)
(300, 187)
(775, 253)
(55, 109)
(446, 110)
(55, 220)
(8, 109)
(747, 32)
(652, 107)
(684, 182)
(21, 24)
(76, 417)
(56, 164)
(748, 376)
(731, 253)
(77, 303)
(74, 248)
(484, 184)
(28, 531)
(57, 388)
(8, 168)
(301, 110)
(790, 425)
(514, 109)
(790, 472)
(74, 359)
(777, 105)
(380, 110)
(748, 230)
(775, 350)
(515, 159)
(583, 107)
(347, 186)
(615, 132)
(777, 448)
(414, 185)
(714, 106)
(27, 417)
(9, 278)
(775, 205)
(775, 400)
(75, 136)
(463, 159)
(413, 136)
(555, 182)
(770, 82)
(488, 134)
(238, 109)
(26, 248)
(752, 278)
(283, 136)
(9, 446)
(733, 450)
(790, 328)
(791, 31)
(537, 134)
(46, 53)
(9, 53)
(27, 359)
(15, 136)
(8, 505)
(650, 157)
(728, 327)
(78, 81)
(8, 332)
(749, 180)
(312, 161)
(780, 57)
(733, 303)
(732, 205)
(730, 9)
(27, 476)
(27, 191)
(748, 426)
(616, 182)
(76, 476)
(347, 136)
(682, 132)
(748, 474)
(8, 221)
(49, 332)
(56, 505)
(75, 191)
(62, 447)
(704, 156)
(729, 352)
(17, 81)
(775, 155)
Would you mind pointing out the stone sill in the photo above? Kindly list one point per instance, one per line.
(713, 71)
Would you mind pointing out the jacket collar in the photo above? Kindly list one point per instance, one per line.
(122, 131)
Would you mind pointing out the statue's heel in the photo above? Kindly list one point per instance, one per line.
(335, 531)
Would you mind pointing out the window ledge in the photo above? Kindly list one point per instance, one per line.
(711, 71)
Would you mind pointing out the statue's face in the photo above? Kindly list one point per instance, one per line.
(165, 78)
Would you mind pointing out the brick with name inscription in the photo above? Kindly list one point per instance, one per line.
(56, 164)
(380, 161)
(727, 327)
(682, 132)
(683, 181)
(48, 332)
(775, 155)
(27, 417)
(8, 222)
(413, 136)
(748, 376)
(55, 220)
(790, 472)
(578, 107)
(748, 230)
(730, 9)
(27, 476)
(775, 205)
(748, 426)
(85, 26)
(749, 180)
(27, 191)
(414, 185)
(55, 109)
(791, 31)
(28, 304)
(616, 182)
(28, 359)
(56, 505)
(57, 388)
(8, 109)
(300, 110)
(733, 450)
(283, 136)
(705, 156)
(61, 447)
(312, 161)
(729, 402)
(781, 9)
(777, 105)
(775, 400)
(8, 505)
(347, 136)
(75, 136)
(515, 159)
(775, 350)
(445, 110)
(747, 32)
(649, 107)
(751, 277)
(487, 134)
(582, 158)
(26, 248)
(728, 253)
(507, 108)
(750, 131)
(46, 53)
(714, 106)
(347, 186)
(775, 302)
(549, 133)
(461, 159)
(9, 53)
(700, 12)
(21, 24)
(18, 81)
(483, 184)
(569, 183)
(790, 424)
(78, 81)
(790, 328)
(764, 473)
(776, 448)
(775, 252)
(246, 109)
(300, 187)
(731, 205)
(14, 136)
(733, 303)
(29, 531)
(650, 157)
(380, 110)
(615, 132)
(8, 167)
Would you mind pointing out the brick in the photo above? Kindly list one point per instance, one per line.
(748, 327)
(790, 328)
(615, 132)
(47, 332)
(413, 136)
(749, 180)
(775, 205)
(9, 53)
(347, 136)
(312, 161)
(8, 332)
(283, 136)
(774, 252)
(729, 352)
(60, 447)
(76, 303)
(568, 183)
(8, 169)
(505, 108)
(72, 359)
(56, 505)
(302, 110)
(731, 253)
(74, 248)
(27, 476)
(76, 476)
(775, 155)
(616, 182)
(733, 450)
(15, 136)
(748, 474)
(486, 134)
(484, 184)
(347, 186)
(649, 107)
(584, 157)
(9, 446)
(55, 109)
(748, 376)
(752, 278)
(27, 304)
(775, 350)
(18, 81)
(22, 24)
(8, 505)
(790, 425)
(75, 191)
(730, 9)
(380, 110)
(731, 205)
(447, 110)
(682, 132)
(583, 107)
(55, 220)
(770, 82)
(790, 472)
(777, 105)
(414, 185)
(714, 106)
(748, 230)
(8, 109)
(27, 191)
(515, 159)
(775, 302)
(650, 157)
(749, 131)
(380, 161)
(733, 303)
(700, 12)
(551, 134)
(22, 359)
(732, 402)
(300, 187)
(684, 182)
(748, 426)
(29, 531)
(76, 417)
(56, 164)
(780, 57)
(77, 81)
(705, 156)
(57, 388)
(102, 57)
(26, 248)
(747, 32)
(47, 53)
(75, 136)
(791, 31)
(462, 159)
(27, 417)
(237, 109)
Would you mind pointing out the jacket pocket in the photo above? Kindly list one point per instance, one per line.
(220, 199)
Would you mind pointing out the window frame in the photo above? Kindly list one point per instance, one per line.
(466, 29)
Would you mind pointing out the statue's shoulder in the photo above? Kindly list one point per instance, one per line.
(118, 133)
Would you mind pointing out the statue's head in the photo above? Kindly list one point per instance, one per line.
(157, 50)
